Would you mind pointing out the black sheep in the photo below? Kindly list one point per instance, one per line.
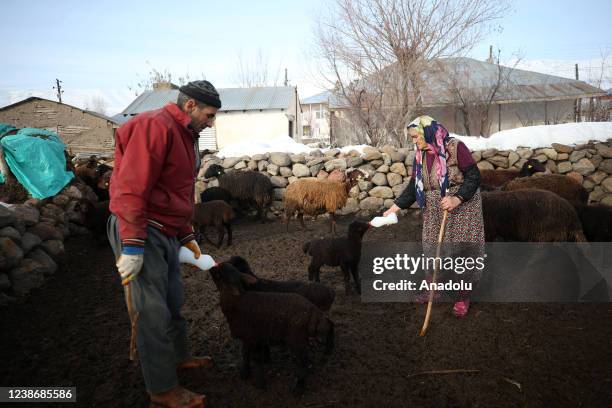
(94, 217)
(596, 222)
(215, 193)
(258, 319)
(248, 187)
(344, 252)
(319, 294)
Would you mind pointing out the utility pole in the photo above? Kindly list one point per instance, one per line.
(59, 89)
(577, 107)
(286, 78)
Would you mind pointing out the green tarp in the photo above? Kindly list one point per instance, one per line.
(36, 158)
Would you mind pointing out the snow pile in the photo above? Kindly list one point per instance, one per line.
(283, 144)
(541, 136)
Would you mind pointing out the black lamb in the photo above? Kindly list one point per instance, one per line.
(344, 252)
(258, 319)
(317, 293)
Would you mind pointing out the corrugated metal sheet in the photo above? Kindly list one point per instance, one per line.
(322, 97)
(208, 139)
(478, 78)
(232, 99)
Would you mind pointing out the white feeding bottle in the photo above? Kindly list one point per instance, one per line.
(204, 262)
(380, 221)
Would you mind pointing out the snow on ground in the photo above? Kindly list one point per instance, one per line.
(541, 136)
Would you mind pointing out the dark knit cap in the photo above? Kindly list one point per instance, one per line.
(203, 91)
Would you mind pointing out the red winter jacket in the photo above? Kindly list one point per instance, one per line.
(153, 179)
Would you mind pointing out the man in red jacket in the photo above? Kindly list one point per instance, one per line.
(151, 192)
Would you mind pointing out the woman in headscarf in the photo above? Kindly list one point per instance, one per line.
(444, 177)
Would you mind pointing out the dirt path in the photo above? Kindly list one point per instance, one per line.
(74, 331)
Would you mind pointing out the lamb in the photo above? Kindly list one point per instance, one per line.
(596, 222)
(530, 216)
(215, 193)
(312, 196)
(249, 186)
(344, 252)
(214, 213)
(258, 319)
(320, 295)
(561, 185)
(495, 179)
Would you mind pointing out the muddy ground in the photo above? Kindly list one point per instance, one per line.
(74, 332)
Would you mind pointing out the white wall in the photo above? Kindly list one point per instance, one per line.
(319, 127)
(236, 126)
(233, 127)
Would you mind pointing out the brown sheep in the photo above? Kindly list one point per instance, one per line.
(312, 196)
(561, 185)
(216, 213)
(530, 216)
(495, 179)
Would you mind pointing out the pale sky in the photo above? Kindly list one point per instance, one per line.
(102, 48)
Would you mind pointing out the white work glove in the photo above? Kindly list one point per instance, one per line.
(193, 247)
(129, 267)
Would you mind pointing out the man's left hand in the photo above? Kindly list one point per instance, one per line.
(449, 203)
(193, 247)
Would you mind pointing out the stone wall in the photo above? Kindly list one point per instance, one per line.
(389, 168)
(32, 238)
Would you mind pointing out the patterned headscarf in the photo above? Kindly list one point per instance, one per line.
(436, 137)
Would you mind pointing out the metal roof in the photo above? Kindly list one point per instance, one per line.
(521, 85)
(322, 97)
(478, 77)
(232, 99)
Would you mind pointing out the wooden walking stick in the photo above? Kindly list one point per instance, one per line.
(127, 288)
(433, 279)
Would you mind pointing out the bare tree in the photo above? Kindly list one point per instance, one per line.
(599, 110)
(156, 76)
(97, 104)
(474, 97)
(255, 72)
(377, 50)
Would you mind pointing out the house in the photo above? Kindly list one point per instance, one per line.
(315, 116)
(83, 131)
(246, 114)
(479, 97)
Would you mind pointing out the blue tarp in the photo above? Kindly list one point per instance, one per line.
(36, 158)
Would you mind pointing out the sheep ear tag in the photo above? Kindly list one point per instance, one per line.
(204, 262)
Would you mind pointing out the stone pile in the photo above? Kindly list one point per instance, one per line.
(32, 238)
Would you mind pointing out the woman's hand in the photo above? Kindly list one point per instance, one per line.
(449, 203)
(394, 208)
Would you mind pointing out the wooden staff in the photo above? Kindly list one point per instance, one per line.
(127, 288)
(433, 279)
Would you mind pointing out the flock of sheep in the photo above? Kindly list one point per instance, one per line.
(520, 206)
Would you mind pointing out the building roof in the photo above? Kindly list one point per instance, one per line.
(521, 86)
(31, 98)
(479, 77)
(232, 99)
(322, 97)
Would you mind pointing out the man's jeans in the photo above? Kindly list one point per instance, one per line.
(157, 296)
